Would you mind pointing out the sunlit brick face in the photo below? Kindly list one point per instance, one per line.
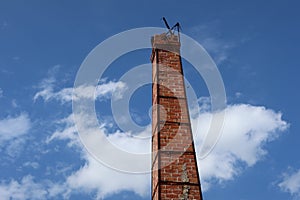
(175, 173)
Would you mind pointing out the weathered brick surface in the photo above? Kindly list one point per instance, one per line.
(175, 192)
(175, 137)
(175, 110)
(175, 173)
(170, 83)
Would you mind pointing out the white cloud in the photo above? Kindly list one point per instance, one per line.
(14, 147)
(103, 90)
(291, 183)
(94, 176)
(14, 127)
(28, 188)
(68, 132)
(245, 132)
(13, 131)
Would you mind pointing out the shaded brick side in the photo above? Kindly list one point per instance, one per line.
(175, 173)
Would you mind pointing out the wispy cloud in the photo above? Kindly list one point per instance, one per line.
(67, 131)
(13, 131)
(103, 90)
(210, 38)
(291, 183)
(28, 188)
(14, 127)
(34, 165)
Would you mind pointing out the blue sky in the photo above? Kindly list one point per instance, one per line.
(255, 45)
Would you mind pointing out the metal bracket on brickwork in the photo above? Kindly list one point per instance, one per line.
(174, 28)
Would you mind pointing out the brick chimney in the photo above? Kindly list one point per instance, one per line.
(174, 166)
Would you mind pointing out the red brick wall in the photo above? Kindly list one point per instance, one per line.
(175, 173)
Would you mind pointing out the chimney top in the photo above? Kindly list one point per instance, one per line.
(165, 41)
